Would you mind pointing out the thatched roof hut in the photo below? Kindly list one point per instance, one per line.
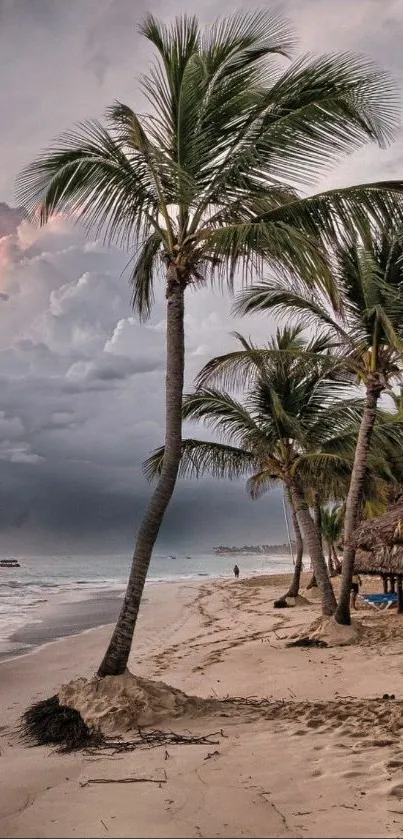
(379, 544)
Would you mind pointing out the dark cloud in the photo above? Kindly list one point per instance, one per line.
(81, 382)
(82, 400)
(78, 511)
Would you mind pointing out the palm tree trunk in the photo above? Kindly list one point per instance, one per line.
(337, 563)
(313, 541)
(354, 499)
(330, 560)
(299, 547)
(317, 516)
(117, 654)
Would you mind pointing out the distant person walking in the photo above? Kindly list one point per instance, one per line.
(236, 571)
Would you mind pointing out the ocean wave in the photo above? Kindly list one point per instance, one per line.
(24, 592)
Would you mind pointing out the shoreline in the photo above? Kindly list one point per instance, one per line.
(62, 619)
(74, 611)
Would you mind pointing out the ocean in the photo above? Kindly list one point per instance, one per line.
(25, 590)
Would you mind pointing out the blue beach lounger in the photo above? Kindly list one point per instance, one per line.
(380, 601)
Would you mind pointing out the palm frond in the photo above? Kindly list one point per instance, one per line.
(317, 111)
(200, 457)
(313, 465)
(221, 412)
(332, 523)
(173, 184)
(303, 306)
(88, 176)
(143, 275)
(243, 38)
(323, 108)
(343, 213)
(261, 482)
(176, 45)
(286, 352)
(286, 249)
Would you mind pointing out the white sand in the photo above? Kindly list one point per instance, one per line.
(318, 765)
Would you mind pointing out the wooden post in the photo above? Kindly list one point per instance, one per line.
(385, 583)
(399, 594)
(392, 584)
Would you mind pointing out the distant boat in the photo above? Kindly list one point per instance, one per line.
(9, 563)
(172, 557)
(188, 557)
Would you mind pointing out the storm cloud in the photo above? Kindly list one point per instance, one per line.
(81, 381)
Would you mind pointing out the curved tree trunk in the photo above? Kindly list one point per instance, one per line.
(354, 500)
(299, 547)
(117, 654)
(313, 542)
(312, 583)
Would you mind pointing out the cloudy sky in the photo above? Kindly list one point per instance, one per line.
(81, 382)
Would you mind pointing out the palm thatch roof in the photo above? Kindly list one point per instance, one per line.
(379, 544)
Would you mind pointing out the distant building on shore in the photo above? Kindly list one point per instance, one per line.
(245, 550)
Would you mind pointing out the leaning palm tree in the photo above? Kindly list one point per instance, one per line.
(205, 184)
(369, 329)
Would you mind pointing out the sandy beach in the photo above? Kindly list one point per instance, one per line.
(324, 762)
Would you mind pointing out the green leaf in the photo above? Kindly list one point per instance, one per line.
(143, 274)
(260, 483)
(200, 457)
(88, 176)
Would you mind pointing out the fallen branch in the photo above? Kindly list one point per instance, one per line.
(152, 740)
(252, 702)
(123, 781)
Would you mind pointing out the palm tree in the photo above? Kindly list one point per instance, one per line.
(290, 425)
(255, 489)
(369, 329)
(293, 590)
(328, 497)
(314, 503)
(332, 525)
(204, 185)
